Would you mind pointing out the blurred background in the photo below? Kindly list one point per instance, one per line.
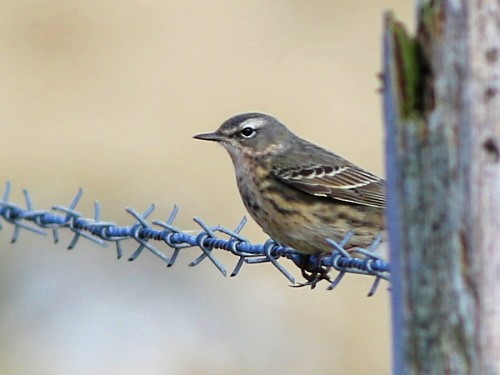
(106, 95)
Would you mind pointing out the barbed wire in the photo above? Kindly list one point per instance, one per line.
(356, 260)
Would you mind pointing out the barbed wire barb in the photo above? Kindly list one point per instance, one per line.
(203, 242)
(143, 233)
(14, 214)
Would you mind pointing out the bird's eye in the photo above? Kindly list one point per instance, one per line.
(247, 132)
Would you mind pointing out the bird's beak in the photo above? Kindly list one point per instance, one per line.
(216, 137)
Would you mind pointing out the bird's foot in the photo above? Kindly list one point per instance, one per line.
(313, 273)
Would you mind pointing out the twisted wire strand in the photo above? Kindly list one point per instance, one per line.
(365, 261)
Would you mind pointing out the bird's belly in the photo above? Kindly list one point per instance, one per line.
(303, 221)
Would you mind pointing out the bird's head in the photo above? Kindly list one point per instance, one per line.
(253, 134)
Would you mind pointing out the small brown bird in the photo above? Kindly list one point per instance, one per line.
(299, 193)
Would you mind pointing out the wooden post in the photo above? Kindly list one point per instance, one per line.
(442, 114)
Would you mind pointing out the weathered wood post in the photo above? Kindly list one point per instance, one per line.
(442, 114)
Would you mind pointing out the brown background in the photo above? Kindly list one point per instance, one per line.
(106, 95)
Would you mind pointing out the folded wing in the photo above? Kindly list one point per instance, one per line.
(346, 183)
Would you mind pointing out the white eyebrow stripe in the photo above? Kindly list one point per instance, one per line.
(254, 123)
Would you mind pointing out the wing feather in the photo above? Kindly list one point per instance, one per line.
(346, 183)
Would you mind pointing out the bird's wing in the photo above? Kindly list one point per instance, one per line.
(343, 182)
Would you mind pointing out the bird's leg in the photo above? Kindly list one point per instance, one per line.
(313, 273)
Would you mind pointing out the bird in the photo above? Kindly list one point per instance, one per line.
(299, 193)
